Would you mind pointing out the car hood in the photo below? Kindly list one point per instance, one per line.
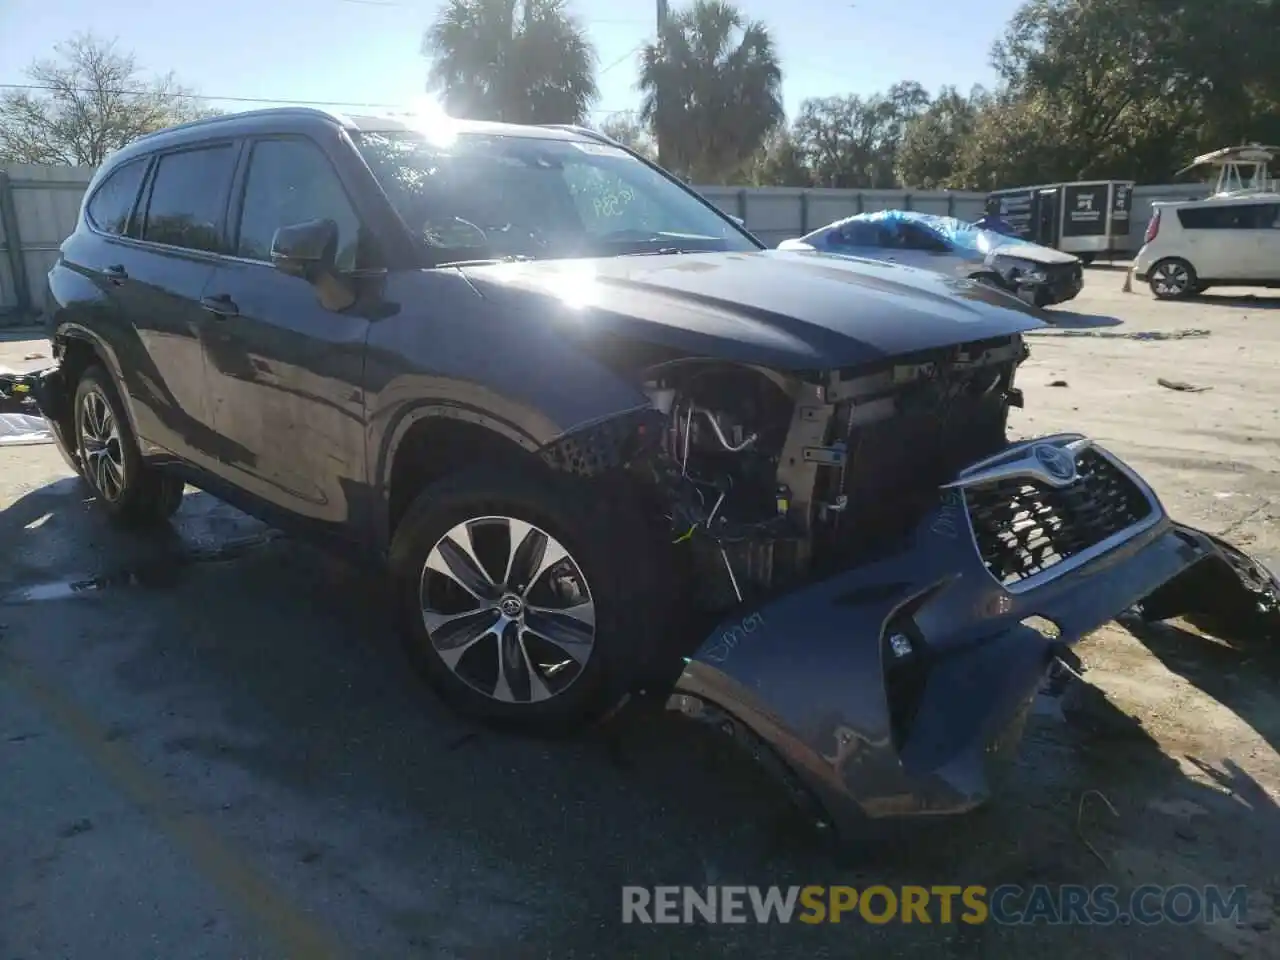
(1033, 252)
(789, 310)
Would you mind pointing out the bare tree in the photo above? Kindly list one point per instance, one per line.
(89, 100)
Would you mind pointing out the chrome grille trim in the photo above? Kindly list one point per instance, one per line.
(1018, 462)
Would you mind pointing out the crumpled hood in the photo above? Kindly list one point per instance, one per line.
(1033, 252)
(786, 310)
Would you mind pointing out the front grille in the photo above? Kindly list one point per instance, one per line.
(1063, 273)
(1023, 528)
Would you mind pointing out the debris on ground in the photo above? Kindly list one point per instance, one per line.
(1181, 386)
(1058, 383)
(21, 429)
(1113, 335)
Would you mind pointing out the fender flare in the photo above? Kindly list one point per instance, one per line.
(414, 413)
(70, 330)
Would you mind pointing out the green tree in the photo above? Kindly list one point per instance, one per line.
(712, 90)
(628, 131)
(512, 61)
(90, 101)
(778, 163)
(933, 141)
(1133, 88)
(852, 141)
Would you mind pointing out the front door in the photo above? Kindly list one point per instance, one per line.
(918, 246)
(285, 359)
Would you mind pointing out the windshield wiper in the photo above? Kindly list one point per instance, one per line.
(661, 251)
(488, 261)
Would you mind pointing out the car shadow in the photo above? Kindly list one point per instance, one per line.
(290, 674)
(1244, 301)
(1217, 666)
(1072, 320)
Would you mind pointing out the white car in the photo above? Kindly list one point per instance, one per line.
(1037, 275)
(1192, 245)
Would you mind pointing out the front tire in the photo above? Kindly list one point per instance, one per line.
(132, 492)
(1173, 279)
(526, 600)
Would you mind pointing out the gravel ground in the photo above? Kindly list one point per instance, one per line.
(216, 751)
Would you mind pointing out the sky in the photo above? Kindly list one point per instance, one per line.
(367, 51)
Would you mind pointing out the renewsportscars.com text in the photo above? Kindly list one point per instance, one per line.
(944, 904)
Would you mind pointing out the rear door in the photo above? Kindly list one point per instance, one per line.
(285, 361)
(160, 279)
(1263, 222)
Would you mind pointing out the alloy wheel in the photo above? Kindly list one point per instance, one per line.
(102, 446)
(507, 609)
(1170, 279)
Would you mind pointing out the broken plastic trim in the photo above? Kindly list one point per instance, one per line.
(1227, 594)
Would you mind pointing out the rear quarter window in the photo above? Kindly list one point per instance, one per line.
(112, 203)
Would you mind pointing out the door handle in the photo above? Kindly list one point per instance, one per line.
(220, 305)
(116, 273)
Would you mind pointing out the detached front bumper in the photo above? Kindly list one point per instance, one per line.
(900, 687)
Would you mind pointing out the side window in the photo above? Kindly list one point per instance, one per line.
(187, 194)
(289, 182)
(915, 237)
(113, 201)
(606, 203)
(859, 234)
(1237, 216)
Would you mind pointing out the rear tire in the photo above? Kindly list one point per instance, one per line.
(520, 642)
(1172, 279)
(132, 492)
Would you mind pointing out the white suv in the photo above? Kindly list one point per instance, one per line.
(1192, 245)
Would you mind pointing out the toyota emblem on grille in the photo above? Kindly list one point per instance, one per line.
(1057, 463)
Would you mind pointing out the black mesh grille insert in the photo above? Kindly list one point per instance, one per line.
(1023, 527)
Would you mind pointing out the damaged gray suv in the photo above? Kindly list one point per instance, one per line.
(607, 444)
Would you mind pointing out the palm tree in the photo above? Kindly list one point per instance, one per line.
(518, 62)
(712, 89)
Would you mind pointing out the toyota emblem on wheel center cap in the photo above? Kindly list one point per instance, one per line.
(511, 606)
(1057, 463)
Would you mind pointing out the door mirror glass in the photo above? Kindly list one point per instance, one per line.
(306, 250)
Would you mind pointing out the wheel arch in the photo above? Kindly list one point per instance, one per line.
(431, 440)
(76, 348)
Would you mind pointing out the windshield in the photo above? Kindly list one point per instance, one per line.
(481, 196)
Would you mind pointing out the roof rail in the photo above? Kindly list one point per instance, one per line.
(595, 135)
(242, 115)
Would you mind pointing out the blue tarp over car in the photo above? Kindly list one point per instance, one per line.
(960, 233)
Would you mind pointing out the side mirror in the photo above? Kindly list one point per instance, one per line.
(307, 250)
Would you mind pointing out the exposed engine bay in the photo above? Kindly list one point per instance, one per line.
(782, 478)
